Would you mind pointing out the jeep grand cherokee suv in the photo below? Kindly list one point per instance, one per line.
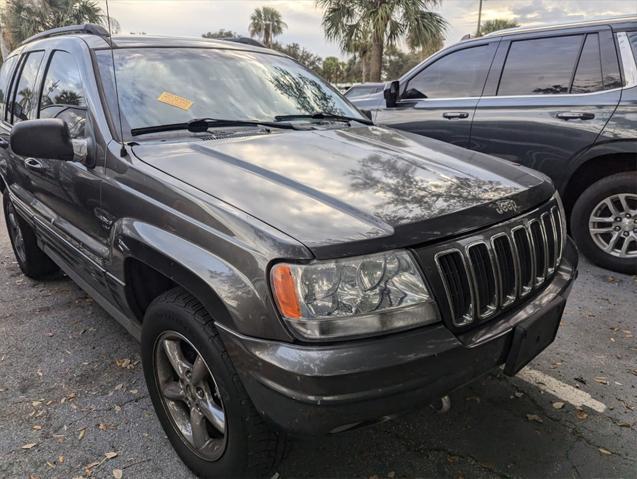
(287, 266)
(559, 99)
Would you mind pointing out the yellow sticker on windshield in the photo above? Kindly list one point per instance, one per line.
(175, 100)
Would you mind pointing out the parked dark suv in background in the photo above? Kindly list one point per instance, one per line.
(559, 99)
(288, 266)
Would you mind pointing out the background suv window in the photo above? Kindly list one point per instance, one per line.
(541, 66)
(457, 75)
(25, 94)
(63, 94)
(588, 76)
(5, 80)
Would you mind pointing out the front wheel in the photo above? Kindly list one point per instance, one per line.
(198, 396)
(604, 222)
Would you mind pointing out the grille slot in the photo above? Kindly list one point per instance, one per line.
(523, 247)
(539, 250)
(454, 274)
(483, 279)
(557, 219)
(551, 240)
(506, 267)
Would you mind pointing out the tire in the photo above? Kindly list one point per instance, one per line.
(587, 235)
(249, 447)
(33, 262)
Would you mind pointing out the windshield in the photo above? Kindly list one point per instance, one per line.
(159, 86)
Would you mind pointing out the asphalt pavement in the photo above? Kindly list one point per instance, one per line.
(73, 401)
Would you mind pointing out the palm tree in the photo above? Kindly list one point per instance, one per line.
(23, 18)
(387, 21)
(266, 23)
(497, 24)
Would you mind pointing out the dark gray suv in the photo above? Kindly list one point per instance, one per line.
(559, 99)
(288, 267)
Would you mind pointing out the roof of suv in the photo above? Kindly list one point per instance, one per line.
(96, 37)
(603, 21)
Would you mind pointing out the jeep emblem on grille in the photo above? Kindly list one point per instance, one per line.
(506, 206)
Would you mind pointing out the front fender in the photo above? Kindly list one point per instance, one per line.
(238, 299)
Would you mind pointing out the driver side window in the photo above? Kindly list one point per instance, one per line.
(457, 75)
(63, 94)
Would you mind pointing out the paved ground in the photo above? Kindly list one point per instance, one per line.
(72, 391)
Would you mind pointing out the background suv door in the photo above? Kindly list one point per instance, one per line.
(439, 99)
(547, 98)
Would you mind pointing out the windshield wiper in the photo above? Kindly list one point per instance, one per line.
(320, 115)
(201, 125)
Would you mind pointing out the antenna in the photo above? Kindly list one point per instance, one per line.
(122, 151)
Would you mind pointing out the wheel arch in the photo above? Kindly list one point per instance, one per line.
(597, 163)
(154, 260)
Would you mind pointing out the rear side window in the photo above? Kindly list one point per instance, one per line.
(25, 94)
(63, 93)
(588, 76)
(459, 74)
(5, 81)
(542, 66)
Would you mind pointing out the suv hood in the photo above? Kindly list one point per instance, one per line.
(353, 190)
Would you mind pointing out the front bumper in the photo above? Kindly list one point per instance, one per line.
(321, 389)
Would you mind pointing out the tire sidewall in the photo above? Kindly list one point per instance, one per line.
(7, 207)
(619, 183)
(165, 317)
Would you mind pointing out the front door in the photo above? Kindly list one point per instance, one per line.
(73, 200)
(439, 100)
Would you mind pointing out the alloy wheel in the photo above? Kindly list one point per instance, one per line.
(190, 395)
(16, 234)
(613, 225)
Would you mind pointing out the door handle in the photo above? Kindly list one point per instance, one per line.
(33, 164)
(455, 115)
(575, 115)
(4, 143)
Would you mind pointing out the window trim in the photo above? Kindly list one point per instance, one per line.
(45, 72)
(574, 34)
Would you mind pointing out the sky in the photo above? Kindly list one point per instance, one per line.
(194, 17)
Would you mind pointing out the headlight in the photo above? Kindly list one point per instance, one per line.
(353, 296)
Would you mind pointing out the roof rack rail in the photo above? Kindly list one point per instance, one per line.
(87, 28)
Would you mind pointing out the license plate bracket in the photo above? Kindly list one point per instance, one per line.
(532, 336)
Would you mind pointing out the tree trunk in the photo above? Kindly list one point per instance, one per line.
(364, 68)
(376, 63)
(4, 48)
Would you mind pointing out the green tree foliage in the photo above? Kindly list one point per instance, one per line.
(222, 34)
(266, 23)
(22, 18)
(300, 54)
(381, 24)
(497, 24)
(333, 69)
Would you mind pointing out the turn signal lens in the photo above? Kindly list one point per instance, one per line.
(285, 291)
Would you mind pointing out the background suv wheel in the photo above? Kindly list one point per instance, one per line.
(198, 396)
(604, 222)
(33, 262)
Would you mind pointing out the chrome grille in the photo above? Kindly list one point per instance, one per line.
(486, 273)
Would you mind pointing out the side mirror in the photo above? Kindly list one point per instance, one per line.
(44, 138)
(391, 93)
